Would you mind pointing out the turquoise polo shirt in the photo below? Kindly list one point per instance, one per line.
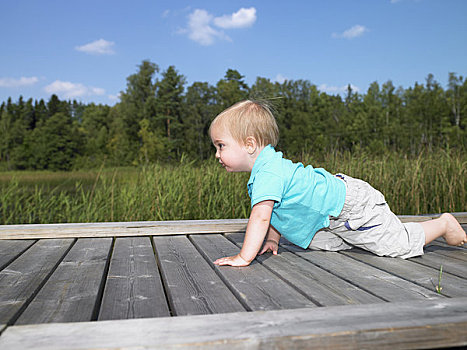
(304, 197)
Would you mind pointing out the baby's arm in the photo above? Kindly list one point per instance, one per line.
(256, 230)
(272, 241)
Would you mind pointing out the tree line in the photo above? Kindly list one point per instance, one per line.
(160, 118)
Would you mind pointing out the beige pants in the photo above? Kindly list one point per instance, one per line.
(367, 222)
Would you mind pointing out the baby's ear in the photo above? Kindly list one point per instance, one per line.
(251, 144)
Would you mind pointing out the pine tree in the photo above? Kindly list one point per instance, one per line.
(169, 109)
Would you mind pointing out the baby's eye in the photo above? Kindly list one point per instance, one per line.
(220, 145)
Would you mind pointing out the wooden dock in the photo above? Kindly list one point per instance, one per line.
(152, 285)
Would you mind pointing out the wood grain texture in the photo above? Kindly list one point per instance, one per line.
(37, 286)
(9, 250)
(320, 286)
(447, 251)
(424, 276)
(193, 286)
(71, 293)
(146, 228)
(119, 229)
(455, 267)
(22, 279)
(373, 280)
(256, 286)
(133, 287)
(404, 325)
(460, 216)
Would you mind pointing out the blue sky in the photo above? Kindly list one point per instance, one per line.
(85, 50)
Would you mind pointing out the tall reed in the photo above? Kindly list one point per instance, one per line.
(429, 183)
(156, 192)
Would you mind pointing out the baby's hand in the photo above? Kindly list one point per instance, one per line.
(269, 246)
(236, 260)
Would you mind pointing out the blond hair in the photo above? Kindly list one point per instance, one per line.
(249, 118)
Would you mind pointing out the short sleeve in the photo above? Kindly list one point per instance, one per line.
(266, 186)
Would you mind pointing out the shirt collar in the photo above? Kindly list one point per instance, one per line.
(264, 157)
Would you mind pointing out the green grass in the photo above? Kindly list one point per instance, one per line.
(429, 183)
(438, 287)
(156, 192)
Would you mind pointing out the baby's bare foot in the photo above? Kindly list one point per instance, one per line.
(455, 234)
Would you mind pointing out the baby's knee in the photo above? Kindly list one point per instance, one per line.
(325, 240)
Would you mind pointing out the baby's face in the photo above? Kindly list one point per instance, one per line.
(232, 155)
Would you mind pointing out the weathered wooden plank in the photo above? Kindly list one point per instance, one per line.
(424, 276)
(21, 280)
(453, 266)
(415, 218)
(460, 216)
(71, 293)
(371, 279)
(193, 287)
(256, 286)
(324, 288)
(403, 325)
(146, 228)
(446, 250)
(134, 287)
(119, 229)
(9, 250)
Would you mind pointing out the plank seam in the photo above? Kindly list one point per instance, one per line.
(455, 258)
(100, 293)
(13, 320)
(446, 255)
(444, 244)
(283, 279)
(423, 263)
(220, 275)
(165, 287)
(401, 277)
(341, 277)
(18, 255)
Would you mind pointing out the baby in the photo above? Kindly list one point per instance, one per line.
(310, 207)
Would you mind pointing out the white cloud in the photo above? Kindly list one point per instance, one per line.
(201, 25)
(243, 18)
(355, 31)
(337, 89)
(200, 29)
(14, 82)
(66, 89)
(98, 47)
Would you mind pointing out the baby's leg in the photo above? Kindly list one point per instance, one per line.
(445, 226)
(325, 240)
